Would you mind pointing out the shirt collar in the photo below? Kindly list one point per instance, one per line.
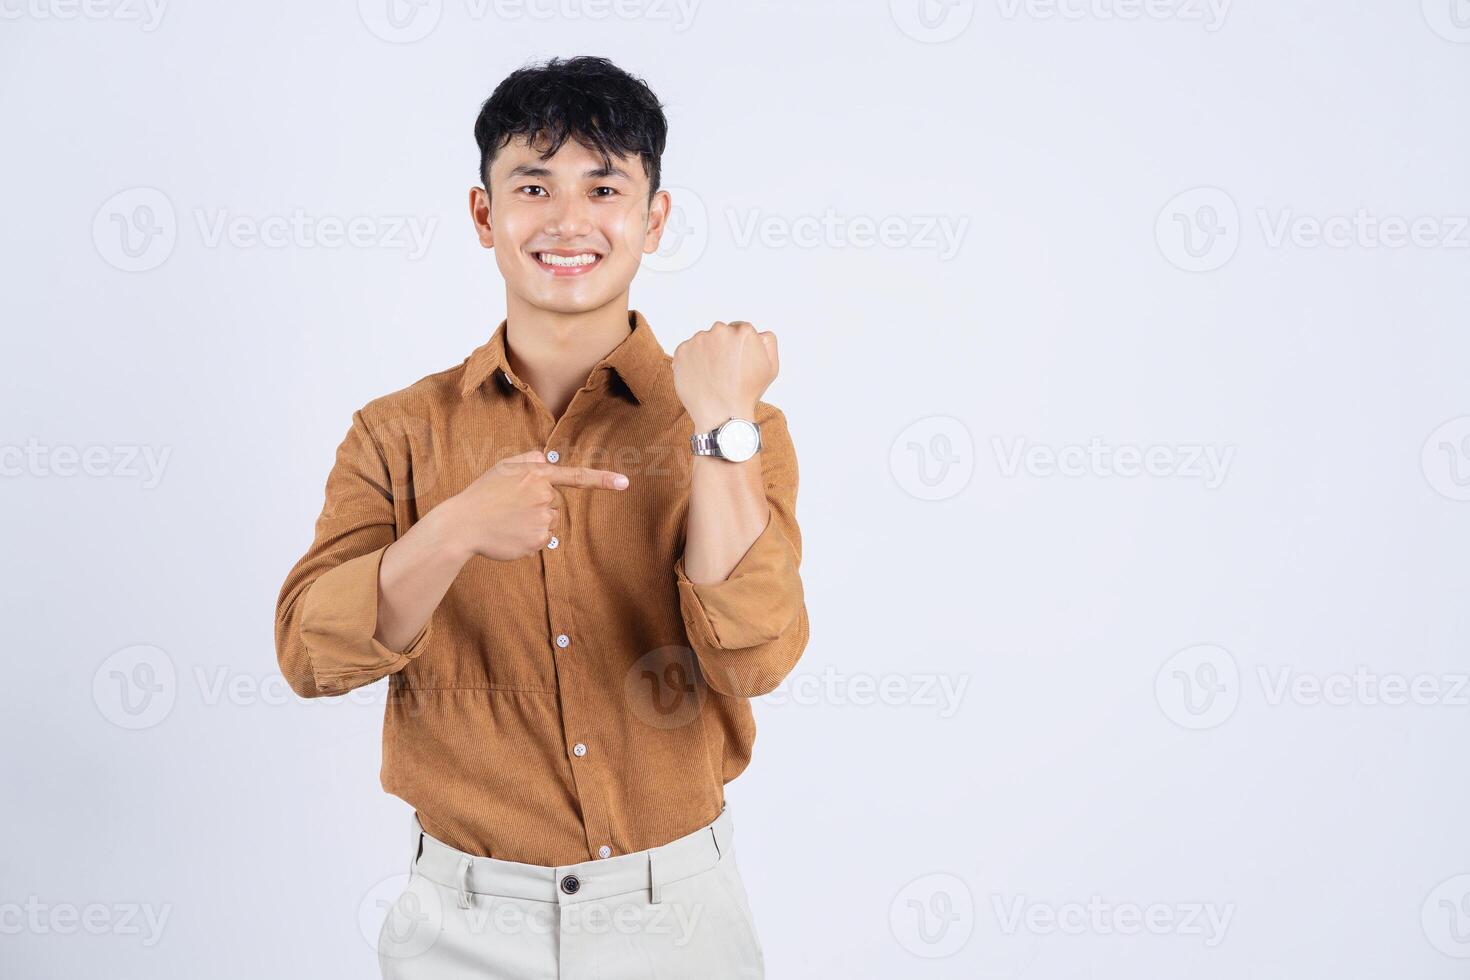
(637, 360)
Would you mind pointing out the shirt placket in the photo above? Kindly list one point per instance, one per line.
(571, 645)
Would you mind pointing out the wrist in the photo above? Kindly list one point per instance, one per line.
(706, 419)
(443, 532)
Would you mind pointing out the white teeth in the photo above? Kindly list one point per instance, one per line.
(586, 258)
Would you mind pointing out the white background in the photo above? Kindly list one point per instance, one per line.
(1232, 689)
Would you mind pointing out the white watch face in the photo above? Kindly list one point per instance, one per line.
(738, 440)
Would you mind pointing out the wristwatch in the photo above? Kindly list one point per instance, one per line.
(735, 439)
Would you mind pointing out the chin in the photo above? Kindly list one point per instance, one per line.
(566, 301)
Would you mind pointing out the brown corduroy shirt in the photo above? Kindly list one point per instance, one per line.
(588, 700)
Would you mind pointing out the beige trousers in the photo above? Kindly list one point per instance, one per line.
(673, 912)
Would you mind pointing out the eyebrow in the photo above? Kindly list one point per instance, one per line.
(596, 173)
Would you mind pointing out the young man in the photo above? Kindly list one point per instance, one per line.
(575, 558)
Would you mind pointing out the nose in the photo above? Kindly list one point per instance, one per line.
(569, 218)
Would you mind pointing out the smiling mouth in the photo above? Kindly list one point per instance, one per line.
(567, 264)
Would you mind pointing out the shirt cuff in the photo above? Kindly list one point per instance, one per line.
(339, 616)
(754, 604)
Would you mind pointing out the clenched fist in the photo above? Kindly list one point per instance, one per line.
(510, 510)
(723, 371)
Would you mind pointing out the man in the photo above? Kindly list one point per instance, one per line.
(575, 558)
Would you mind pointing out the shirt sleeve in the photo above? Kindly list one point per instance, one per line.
(327, 611)
(749, 630)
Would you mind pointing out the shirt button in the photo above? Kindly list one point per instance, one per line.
(570, 884)
(553, 542)
(579, 750)
(563, 641)
(552, 455)
(604, 851)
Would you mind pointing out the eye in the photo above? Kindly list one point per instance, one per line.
(597, 191)
(532, 187)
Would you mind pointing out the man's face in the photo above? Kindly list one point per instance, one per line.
(568, 232)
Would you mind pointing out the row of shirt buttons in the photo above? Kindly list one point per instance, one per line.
(551, 457)
(570, 884)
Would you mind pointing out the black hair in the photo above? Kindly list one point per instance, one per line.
(590, 100)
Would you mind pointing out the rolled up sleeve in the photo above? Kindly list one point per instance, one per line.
(327, 611)
(749, 630)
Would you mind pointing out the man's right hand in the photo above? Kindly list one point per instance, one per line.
(510, 510)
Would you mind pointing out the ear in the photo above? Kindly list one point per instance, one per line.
(658, 218)
(480, 215)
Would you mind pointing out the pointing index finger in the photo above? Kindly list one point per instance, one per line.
(582, 476)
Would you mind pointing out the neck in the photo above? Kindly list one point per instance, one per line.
(554, 352)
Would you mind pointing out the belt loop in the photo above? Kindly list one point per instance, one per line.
(464, 883)
(653, 890)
